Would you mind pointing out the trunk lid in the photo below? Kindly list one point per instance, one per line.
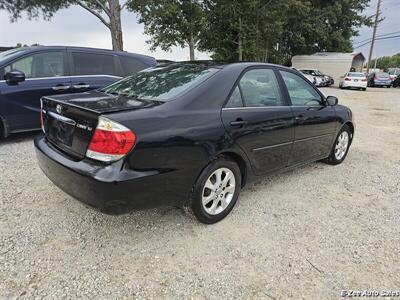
(69, 121)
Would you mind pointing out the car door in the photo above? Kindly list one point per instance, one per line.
(92, 70)
(259, 120)
(45, 74)
(315, 122)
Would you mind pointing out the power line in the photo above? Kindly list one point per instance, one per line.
(380, 35)
(378, 39)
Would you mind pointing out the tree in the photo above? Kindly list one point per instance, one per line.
(386, 62)
(275, 30)
(107, 11)
(170, 22)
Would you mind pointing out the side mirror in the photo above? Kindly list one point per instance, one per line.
(14, 77)
(332, 100)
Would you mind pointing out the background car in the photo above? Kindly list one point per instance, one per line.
(355, 80)
(188, 134)
(393, 73)
(309, 77)
(379, 79)
(28, 73)
(396, 82)
(322, 79)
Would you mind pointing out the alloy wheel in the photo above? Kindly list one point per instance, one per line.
(218, 191)
(342, 144)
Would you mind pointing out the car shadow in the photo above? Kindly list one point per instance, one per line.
(166, 216)
(19, 137)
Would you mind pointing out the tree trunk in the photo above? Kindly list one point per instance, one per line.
(115, 25)
(240, 46)
(191, 47)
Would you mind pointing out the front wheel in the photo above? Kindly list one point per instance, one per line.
(341, 146)
(216, 190)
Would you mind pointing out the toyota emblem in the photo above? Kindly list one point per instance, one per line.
(58, 108)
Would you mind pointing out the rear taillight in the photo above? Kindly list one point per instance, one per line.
(365, 79)
(347, 79)
(110, 142)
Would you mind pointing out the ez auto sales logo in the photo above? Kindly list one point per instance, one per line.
(369, 293)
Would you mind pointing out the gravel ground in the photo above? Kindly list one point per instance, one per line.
(304, 234)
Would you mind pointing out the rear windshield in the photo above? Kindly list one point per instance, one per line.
(356, 75)
(161, 83)
(383, 75)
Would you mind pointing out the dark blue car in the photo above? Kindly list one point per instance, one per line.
(27, 74)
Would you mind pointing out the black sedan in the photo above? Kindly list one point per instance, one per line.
(188, 134)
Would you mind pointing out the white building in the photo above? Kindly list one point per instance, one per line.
(335, 64)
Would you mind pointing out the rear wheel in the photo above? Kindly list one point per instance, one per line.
(341, 146)
(216, 190)
(364, 89)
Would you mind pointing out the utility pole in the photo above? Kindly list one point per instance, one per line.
(376, 60)
(371, 49)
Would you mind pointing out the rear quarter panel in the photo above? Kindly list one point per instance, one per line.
(179, 138)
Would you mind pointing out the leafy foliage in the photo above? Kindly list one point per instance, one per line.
(107, 11)
(252, 30)
(386, 62)
(275, 30)
(170, 22)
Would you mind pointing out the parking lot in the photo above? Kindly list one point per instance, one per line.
(305, 234)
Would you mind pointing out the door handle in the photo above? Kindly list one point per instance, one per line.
(300, 119)
(61, 87)
(81, 86)
(238, 122)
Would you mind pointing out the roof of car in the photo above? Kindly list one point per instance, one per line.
(224, 64)
(38, 48)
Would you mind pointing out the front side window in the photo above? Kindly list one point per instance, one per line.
(260, 88)
(93, 64)
(39, 65)
(162, 83)
(300, 91)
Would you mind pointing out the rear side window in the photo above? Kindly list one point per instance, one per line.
(93, 64)
(131, 65)
(50, 64)
(235, 100)
(260, 88)
(300, 91)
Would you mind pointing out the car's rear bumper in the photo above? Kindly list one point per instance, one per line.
(351, 84)
(112, 189)
(382, 83)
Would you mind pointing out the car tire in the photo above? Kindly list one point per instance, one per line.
(340, 148)
(364, 89)
(214, 195)
(2, 129)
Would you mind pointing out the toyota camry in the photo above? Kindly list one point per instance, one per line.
(188, 134)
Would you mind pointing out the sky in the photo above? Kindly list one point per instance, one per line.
(390, 11)
(76, 27)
